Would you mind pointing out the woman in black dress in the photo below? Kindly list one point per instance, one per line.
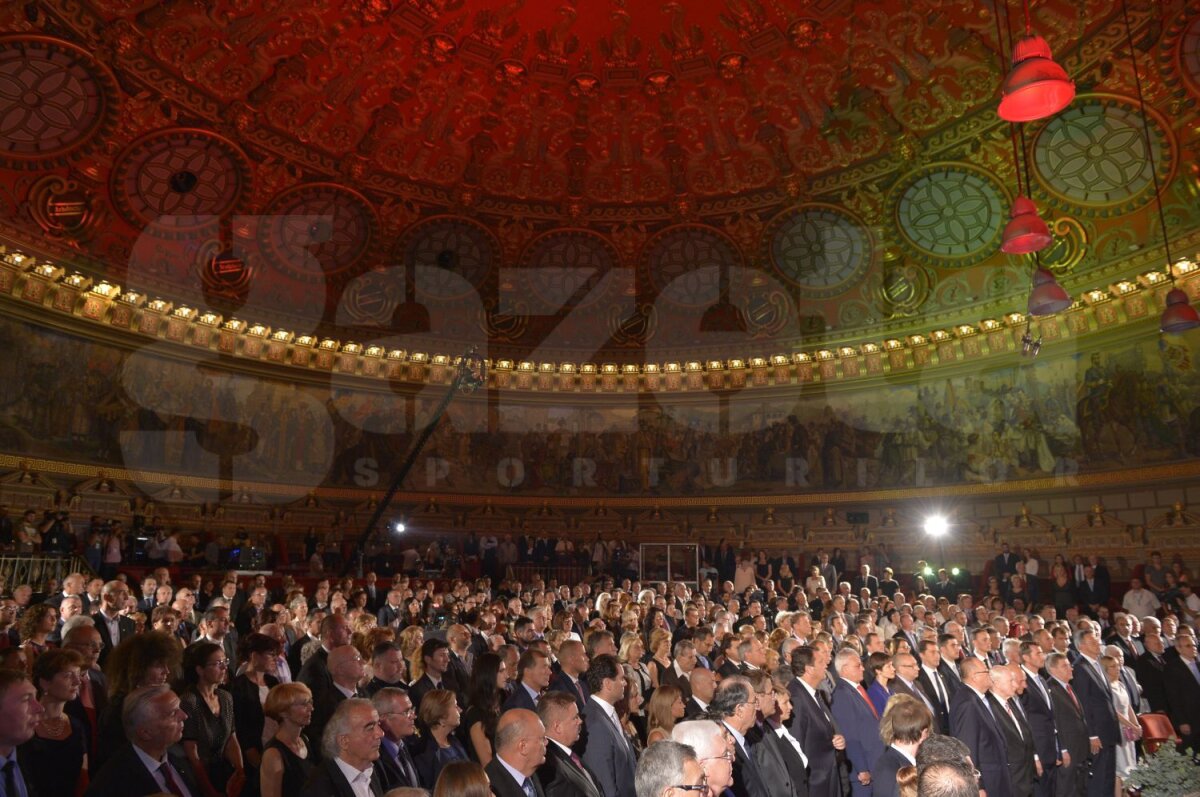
(260, 653)
(209, 740)
(56, 757)
(477, 731)
(285, 760)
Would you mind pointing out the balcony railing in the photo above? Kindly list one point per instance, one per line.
(36, 568)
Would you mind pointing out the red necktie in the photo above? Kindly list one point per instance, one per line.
(172, 785)
(862, 691)
(1074, 699)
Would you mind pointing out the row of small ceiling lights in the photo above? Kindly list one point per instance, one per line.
(1036, 88)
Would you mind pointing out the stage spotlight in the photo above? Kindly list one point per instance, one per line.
(936, 526)
(398, 527)
(954, 571)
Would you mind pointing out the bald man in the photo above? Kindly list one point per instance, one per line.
(345, 667)
(973, 719)
(520, 750)
(1023, 763)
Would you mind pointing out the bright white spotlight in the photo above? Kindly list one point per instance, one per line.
(936, 526)
(398, 527)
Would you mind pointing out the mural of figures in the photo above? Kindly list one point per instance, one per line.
(76, 400)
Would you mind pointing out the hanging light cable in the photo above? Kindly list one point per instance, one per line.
(1178, 315)
(1036, 86)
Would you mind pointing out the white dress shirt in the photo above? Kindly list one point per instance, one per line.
(154, 767)
(360, 782)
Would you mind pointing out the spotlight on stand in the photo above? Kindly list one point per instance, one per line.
(399, 527)
(937, 526)
(1029, 346)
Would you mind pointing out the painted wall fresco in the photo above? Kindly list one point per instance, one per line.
(72, 399)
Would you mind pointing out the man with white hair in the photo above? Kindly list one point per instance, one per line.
(668, 769)
(714, 750)
(350, 744)
(857, 720)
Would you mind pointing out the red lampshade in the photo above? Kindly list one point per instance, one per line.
(1025, 232)
(1047, 296)
(1179, 315)
(1036, 86)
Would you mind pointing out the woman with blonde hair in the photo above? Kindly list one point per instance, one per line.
(630, 654)
(439, 713)
(285, 761)
(660, 655)
(411, 639)
(662, 712)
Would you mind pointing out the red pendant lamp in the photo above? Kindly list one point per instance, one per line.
(1025, 232)
(1178, 315)
(1047, 296)
(1036, 86)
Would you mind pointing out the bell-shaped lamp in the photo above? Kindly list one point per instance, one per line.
(1036, 86)
(1047, 296)
(724, 316)
(1025, 232)
(410, 318)
(1179, 315)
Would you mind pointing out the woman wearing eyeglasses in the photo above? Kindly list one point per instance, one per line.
(285, 761)
(209, 740)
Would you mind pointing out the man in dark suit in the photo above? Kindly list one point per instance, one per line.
(335, 633)
(1005, 564)
(374, 593)
(145, 765)
(1091, 689)
(857, 719)
(973, 720)
(1182, 680)
(435, 655)
(607, 754)
(704, 684)
(573, 663)
(1093, 592)
(1151, 670)
(89, 704)
(950, 650)
(679, 673)
(864, 580)
(396, 765)
(350, 746)
(1071, 776)
(520, 750)
(732, 664)
(345, 671)
(1121, 636)
(1038, 706)
(533, 676)
(391, 611)
(563, 773)
(911, 725)
(112, 625)
(813, 725)
(735, 702)
(1023, 763)
(937, 691)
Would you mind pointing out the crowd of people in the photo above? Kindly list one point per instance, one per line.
(793, 676)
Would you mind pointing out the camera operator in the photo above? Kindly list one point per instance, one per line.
(57, 534)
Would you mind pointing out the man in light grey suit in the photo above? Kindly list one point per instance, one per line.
(607, 754)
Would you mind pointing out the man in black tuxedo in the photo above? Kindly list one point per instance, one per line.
(930, 679)
(112, 625)
(973, 720)
(563, 773)
(703, 683)
(1023, 763)
(1038, 706)
(813, 725)
(350, 746)
(1151, 670)
(1182, 680)
(147, 765)
(608, 754)
(345, 671)
(520, 750)
(1091, 689)
(396, 765)
(1070, 778)
(911, 723)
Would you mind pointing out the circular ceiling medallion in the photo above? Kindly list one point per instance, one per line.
(178, 180)
(570, 268)
(455, 255)
(819, 248)
(684, 264)
(54, 99)
(317, 230)
(1093, 155)
(951, 214)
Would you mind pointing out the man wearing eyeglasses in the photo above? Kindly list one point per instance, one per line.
(397, 768)
(670, 769)
(737, 705)
(714, 751)
(93, 687)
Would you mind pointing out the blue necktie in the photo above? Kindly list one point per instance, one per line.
(528, 787)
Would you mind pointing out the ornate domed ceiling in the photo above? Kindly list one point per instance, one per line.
(578, 179)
